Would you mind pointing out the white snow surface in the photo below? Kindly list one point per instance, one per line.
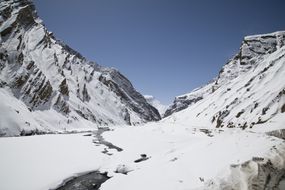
(41, 162)
(180, 157)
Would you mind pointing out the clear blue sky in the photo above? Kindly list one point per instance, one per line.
(165, 47)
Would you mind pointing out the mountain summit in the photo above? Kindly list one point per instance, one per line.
(45, 85)
(161, 108)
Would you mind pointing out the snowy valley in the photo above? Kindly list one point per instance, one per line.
(62, 116)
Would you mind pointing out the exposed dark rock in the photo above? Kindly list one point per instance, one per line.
(61, 106)
(213, 119)
(207, 132)
(220, 116)
(85, 95)
(2, 84)
(143, 157)
(249, 82)
(122, 87)
(30, 65)
(20, 81)
(31, 132)
(20, 58)
(277, 133)
(126, 116)
(230, 125)
(244, 126)
(6, 13)
(41, 94)
(63, 88)
(283, 108)
(264, 110)
(85, 181)
(45, 91)
(181, 103)
(268, 176)
(88, 115)
(239, 113)
(260, 121)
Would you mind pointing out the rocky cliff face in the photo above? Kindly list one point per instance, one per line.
(58, 87)
(247, 91)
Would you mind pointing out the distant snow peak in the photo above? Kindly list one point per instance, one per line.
(156, 104)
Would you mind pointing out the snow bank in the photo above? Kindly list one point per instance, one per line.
(182, 157)
(43, 162)
(176, 157)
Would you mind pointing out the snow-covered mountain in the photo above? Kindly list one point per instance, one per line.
(161, 108)
(248, 91)
(45, 85)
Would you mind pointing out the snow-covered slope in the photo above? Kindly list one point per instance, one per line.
(178, 157)
(249, 90)
(161, 108)
(183, 157)
(47, 85)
